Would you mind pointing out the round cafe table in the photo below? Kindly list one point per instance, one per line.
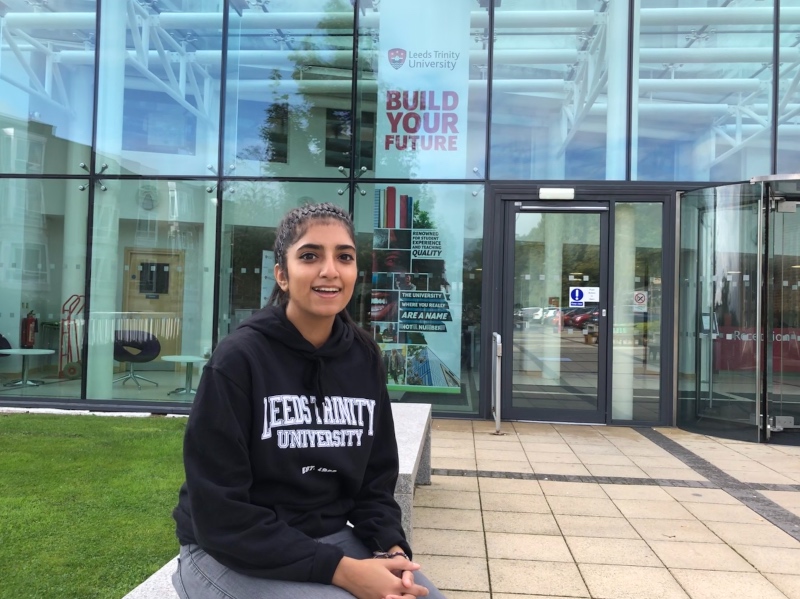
(25, 353)
(190, 361)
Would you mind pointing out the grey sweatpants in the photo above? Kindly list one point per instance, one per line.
(200, 576)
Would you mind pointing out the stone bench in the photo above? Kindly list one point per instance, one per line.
(412, 425)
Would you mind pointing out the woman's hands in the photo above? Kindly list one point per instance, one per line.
(378, 578)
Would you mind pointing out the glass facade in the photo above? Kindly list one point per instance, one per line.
(148, 151)
(43, 224)
(152, 288)
(289, 90)
(158, 88)
(788, 138)
(559, 84)
(703, 90)
(636, 324)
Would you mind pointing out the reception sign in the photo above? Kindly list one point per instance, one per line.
(423, 89)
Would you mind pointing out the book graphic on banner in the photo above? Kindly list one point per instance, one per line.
(392, 211)
(402, 208)
(390, 207)
(376, 219)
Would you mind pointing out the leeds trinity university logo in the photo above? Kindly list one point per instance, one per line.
(397, 57)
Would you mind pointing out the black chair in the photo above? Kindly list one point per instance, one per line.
(148, 348)
(4, 344)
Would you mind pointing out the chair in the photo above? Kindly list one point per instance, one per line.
(4, 344)
(148, 348)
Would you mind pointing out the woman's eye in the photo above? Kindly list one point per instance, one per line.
(307, 256)
(347, 257)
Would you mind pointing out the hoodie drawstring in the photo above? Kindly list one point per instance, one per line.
(313, 377)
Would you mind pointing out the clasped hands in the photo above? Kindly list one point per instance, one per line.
(379, 578)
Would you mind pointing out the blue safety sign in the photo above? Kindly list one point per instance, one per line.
(576, 297)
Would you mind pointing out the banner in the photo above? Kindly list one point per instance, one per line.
(423, 89)
(418, 256)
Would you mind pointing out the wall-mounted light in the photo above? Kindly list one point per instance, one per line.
(557, 193)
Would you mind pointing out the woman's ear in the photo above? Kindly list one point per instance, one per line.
(280, 278)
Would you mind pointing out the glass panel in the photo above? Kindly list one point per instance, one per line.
(559, 90)
(783, 317)
(42, 273)
(158, 101)
(421, 292)
(702, 110)
(422, 89)
(153, 248)
(788, 92)
(636, 357)
(554, 349)
(289, 72)
(717, 315)
(46, 87)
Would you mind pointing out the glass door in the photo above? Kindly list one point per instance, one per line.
(719, 352)
(782, 314)
(739, 310)
(554, 308)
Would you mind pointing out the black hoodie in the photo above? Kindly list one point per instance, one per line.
(270, 466)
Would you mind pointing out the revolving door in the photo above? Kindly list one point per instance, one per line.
(738, 316)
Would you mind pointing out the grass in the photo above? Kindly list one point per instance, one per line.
(85, 503)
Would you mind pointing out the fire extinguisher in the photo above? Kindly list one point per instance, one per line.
(30, 326)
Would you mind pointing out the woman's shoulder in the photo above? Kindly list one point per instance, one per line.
(366, 349)
(237, 348)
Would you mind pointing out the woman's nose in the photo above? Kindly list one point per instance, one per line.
(329, 267)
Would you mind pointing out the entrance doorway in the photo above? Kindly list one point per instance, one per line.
(782, 310)
(555, 306)
(739, 310)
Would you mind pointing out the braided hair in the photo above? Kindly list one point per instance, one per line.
(292, 227)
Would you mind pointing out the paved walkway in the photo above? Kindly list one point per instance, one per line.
(554, 511)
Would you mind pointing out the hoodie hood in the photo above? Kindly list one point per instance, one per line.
(273, 323)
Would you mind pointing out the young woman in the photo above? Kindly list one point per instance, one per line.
(290, 452)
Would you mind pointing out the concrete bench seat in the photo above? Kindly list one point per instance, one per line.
(412, 425)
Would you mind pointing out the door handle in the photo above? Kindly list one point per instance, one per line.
(603, 312)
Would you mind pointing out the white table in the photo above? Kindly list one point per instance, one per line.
(25, 353)
(190, 361)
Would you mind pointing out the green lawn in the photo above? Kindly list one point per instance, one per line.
(85, 503)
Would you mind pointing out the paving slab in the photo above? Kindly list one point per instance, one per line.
(630, 582)
(704, 584)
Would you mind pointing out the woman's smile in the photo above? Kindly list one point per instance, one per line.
(327, 292)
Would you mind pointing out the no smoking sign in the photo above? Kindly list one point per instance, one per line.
(640, 301)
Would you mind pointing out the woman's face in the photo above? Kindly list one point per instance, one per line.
(321, 273)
